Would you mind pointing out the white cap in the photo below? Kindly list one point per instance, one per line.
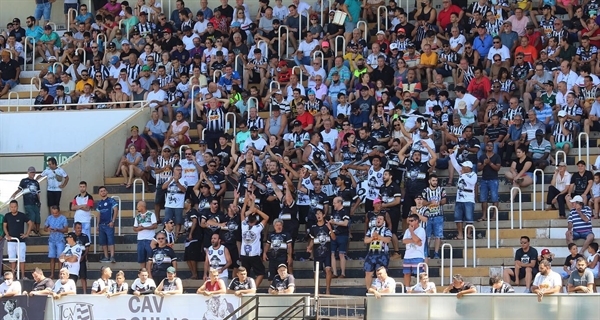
(461, 105)
(467, 164)
(380, 32)
(307, 167)
(577, 199)
(562, 113)
(393, 46)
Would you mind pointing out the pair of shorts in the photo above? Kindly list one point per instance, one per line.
(581, 235)
(340, 244)
(324, 263)
(375, 260)
(74, 277)
(144, 251)
(83, 269)
(410, 265)
(595, 126)
(443, 72)
(488, 191)
(159, 195)
(10, 83)
(560, 145)
(106, 235)
(435, 227)
(43, 9)
(193, 252)
(174, 213)
(349, 26)
(53, 198)
(464, 210)
(253, 263)
(12, 251)
(55, 249)
(523, 273)
(33, 212)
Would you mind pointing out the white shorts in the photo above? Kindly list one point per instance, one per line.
(12, 251)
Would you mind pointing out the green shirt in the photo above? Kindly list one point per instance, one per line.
(549, 99)
(1, 224)
(50, 37)
(568, 53)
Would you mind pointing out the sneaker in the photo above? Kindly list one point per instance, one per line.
(436, 255)
(527, 290)
(112, 260)
(396, 256)
(105, 259)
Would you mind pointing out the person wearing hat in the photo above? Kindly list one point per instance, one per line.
(170, 285)
(509, 37)
(283, 283)
(579, 221)
(30, 190)
(465, 198)
(71, 256)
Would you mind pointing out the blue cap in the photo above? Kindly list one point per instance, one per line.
(235, 24)
(114, 60)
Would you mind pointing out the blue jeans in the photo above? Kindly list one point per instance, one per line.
(106, 235)
(464, 210)
(43, 9)
(488, 191)
(305, 60)
(144, 251)
(435, 227)
(11, 83)
(174, 213)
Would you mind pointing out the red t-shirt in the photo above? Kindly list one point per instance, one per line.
(481, 88)
(444, 16)
(306, 119)
(533, 38)
(596, 33)
(139, 143)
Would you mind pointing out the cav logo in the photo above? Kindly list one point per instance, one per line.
(75, 311)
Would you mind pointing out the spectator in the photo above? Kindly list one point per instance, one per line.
(283, 283)
(460, 287)
(423, 286)
(581, 182)
(278, 248)
(9, 288)
(132, 166)
(521, 169)
(64, 286)
(526, 265)
(217, 259)
(121, 287)
(214, 284)
(169, 285)
(108, 210)
(546, 281)
(30, 189)
(42, 285)
(163, 258)
(242, 284)
(579, 222)
(513, 139)
(14, 229)
(489, 163)
(562, 132)
(57, 179)
(143, 285)
(570, 262)
(593, 258)
(71, 256)
(321, 235)
(82, 204)
(10, 70)
(383, 283)
(559, 188)
(499, 286)
(415, 241)
(465, 198)
(104, 284)
(539, 150)
(56, 224)
(581, 279)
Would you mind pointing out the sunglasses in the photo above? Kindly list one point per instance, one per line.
(188, 154)
(160, 238)
(497, 60)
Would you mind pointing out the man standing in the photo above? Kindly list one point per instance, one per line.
(581, 281)
(108, 209)
(377, 238)
(414, 239)
(546, 281)
(465, 198)
(489, 163)
(321, 235)
(252, 227)
(278, 248)
(82, 204)
(30, 189)
(71, 256)
(163, 257)
(83, 240)
(390, 202)
(434, 197)
(14, 229)
(144, 224)
(580, 222)
(57, 180)
(164, 170)
(340, 221)
(526, 265)
(217, 258)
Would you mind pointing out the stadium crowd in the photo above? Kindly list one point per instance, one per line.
(353, 116)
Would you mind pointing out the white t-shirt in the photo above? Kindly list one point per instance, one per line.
(503, 52)
(142, 287)
(330, 137)
(15, 287)
(160, 95)
(468, 98)
(570, 79)
(466, 187)
(258, 144)
(308, 47)
(53, 183)
(454, 42)
(145, 220)
(174, 197)
(188, 42)
(189, 172)
(387, 283)
(75, 250)
(419, 288)
(200, 27)
(251, 239)
(414, 251)
(550, 281)
(67, 287)
(312, 73)
(100, 284)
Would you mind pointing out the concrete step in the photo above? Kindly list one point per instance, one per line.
(515, 233)
(469, 272)
(491, 253)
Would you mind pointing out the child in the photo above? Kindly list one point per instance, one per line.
(343, 106)
(569, 265)
(429, 104)
(593, 258)
(546, 255)
(595, 201)
(423, 212)
(57, 225)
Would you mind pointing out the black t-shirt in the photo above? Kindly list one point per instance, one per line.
(317, 201)
(489, 173)
(340, 216)
(32, 187)
(189, 223)
(16, 224)
(388, 195)
(321, 240)
(162, 258)
(521, 165)
(204, 202)
(278, 178)
(526, 257)
(416, 176)
(348, 195)
(18, 33)
(208, 232)
(47, 283)
(581, 181)
(570, 259)
(9, 69)
(278, 244)
(365, 105)
(380, 133)
(289, 215)
(232, 232)
(282, 284)
(365, 146)
(465, 286)
(226, 12)
(236, 285)
(212, 36)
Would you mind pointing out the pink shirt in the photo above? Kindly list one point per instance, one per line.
(519, 26)
(114, 9)
(177, 128)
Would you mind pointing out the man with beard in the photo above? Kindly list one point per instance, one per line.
(390, 198)
(214, 214)
(252, 228)
(377, 238)
(340, 220)
(288, 212)
(278, 248)
(546, 281)
(416, 176)
(374, 178)
(434, 197)
(217, 258)
(256, 143)
(271, 205)
(230, 232)
(321, 235)
(581, 281)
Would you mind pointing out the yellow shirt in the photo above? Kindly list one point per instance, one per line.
(80, 84)
(429, 60)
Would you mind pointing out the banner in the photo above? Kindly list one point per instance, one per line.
(61, 158)
(128, 307)
(23, 308)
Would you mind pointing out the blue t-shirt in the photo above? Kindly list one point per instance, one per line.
(105, 207)
(353, 9)
(56, 223)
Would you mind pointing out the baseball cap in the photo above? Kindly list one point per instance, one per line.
(166, 148)
(467, 164)
(562, 113)
(201, 142)
(48, 27)
(401, 30)
(277, 92)
(146, 68)
(380, 32)
(167, 30)
(171, 270)
(236, 24)
(282, 63)
(410, 45)
(276, 21)
(490, 100)
(461, 105)
(307, 167)
(111, 44)
(545, 251)
(481, 25)
(530, 26)
(546, 7)
(254, 128)
(562, 164)
(282, 265)
(419, 196)
(393, 46)
(114, 60)
(124, 41)
(71, 235)
(187, 28)
(507, 22)
(539, 132)
(325, 44)
(296, 123)
(52, 58)
(376, 200)
(31, 169)
(577, 199)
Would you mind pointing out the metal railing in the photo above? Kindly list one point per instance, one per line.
(236, 64)
(62, 67)
(419, 265)
(84, 55)
(134, 193)
(242, 306)
(193, 100)
(50, 23)
(18, 276)
(203, 133)
(33, 44)
(512, 208)
(227, 122)
(320, 53)
(274, 82)
(69, 17)
(337, 43)
(182, 149)
(556, 156)
(32, 86)
(466, 241)
(365, 28)
(322, 13)
(317, 265)
(95, 218)
(18, 99)
(287, 38)
(300, 24)
(256, 104)
(264, 43)
(402, 285)
(66, 105)
(215, 75)
(126, 29)
(300, 73)
(119, 212)
(587, 149)
(534, 198)
(104, 43)
(442, 262)
(385, 10)
(489, 222)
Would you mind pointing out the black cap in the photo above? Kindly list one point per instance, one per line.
(410, 45)
(71, 235)
(187, 28)
(254, 128)
(492, 100)
(201, 142)
(296, 123)
(155, 82)
(539, 132)
(547, 7)
(481, 25)
(17, 20)
(143, 13)
(198, 56)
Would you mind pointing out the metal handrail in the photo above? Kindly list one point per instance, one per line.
(556, 156)
(442, 262)
(235, 62)
(215, 75)
(401, 285)
(134, 192)
(76, 104)
(274, 82)
(419, 265)
(317, 280)
(193, 112)
(300, 24)
(587, 149)
(489, 222)
(18, 99)
(105, 42)
(365, 28)
(119, 199)
(287, 38)
(203, 131)
(234, 122)
(286, 314)
(466, 240)
(512, 203)
(31, 86)
(84, 55)
(126, 29)
(95, 231)
(256, 105)
(52, 24)
(294, 68)
(534, 198)
(258, 44)
(379, 17)
(343, 45)
(241, 307)
(407, 4)
(33, 54)
(181, 150)
(320, 53)
(322, 13)
(62, 67)
(18, 258)
(69, 17)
